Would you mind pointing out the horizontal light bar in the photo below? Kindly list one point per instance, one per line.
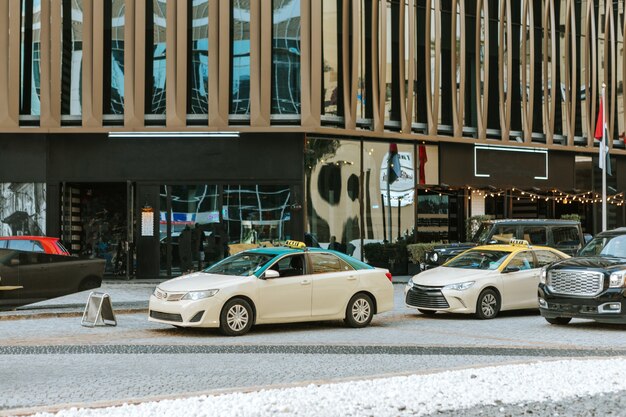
(166, 134)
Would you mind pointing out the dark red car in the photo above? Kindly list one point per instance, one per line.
(43, 244)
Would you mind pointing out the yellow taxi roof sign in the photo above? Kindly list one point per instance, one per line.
(294, 244)
(519, 242)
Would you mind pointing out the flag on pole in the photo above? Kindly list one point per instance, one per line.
(393, 164)
(602, 134)
(423, 158)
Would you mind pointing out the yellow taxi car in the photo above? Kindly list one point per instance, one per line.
(483, 280)
(274, 285)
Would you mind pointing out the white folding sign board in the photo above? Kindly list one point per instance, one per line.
(98, 311)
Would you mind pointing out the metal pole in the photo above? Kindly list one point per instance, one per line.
(603, 155)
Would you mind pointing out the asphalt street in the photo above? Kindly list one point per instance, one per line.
(47, 359)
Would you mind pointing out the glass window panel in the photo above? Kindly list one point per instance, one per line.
(363, 104)
(240, 81)
(331, 44)
(257, 213)
(22, 209)
(72, 57)
(156, 53)
(389, 190)
(114, 57)
(198, 28)
(30, 78)
(332, 170)
(286, 57)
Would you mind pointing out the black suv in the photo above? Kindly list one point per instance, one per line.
(564, 235)
(589, 286)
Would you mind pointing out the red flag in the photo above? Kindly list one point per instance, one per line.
(423, 159)
(598, 134)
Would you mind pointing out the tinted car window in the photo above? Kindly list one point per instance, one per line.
(565, 236)
(606, 246)
(3, 244)
(535, 235)
(21, 244)
(503, 234)
(545, 257)
(327, 262)
(289, 266)
(523, 261)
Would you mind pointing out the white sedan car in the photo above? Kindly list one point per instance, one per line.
(483, 280)
(274, 285)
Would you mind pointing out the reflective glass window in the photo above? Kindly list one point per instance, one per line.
(22, 209)
(332, 55)
(72, 57)
(198, 67)
(30, 50)
(364, 109)
(545, 257)
(113, 94)
(156, 15)
(392, 80)
(240, 50)
(286, 57)
(332, 170)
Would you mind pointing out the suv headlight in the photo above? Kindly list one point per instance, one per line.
(617, 279)
(198, 295)
(543, 275)
(434, 256)
(462, 286)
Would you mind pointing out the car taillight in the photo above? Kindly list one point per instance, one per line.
(388, 274)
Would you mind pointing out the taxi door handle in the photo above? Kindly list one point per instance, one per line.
(351, 278)
(305, 282)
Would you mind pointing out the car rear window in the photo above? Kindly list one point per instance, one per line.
(327, 262)
(21, 244)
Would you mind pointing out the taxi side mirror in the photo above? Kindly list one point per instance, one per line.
(512, 269)
(270, 273)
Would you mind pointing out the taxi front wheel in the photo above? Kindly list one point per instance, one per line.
(360, 311)
(488, 304)
(236, 317)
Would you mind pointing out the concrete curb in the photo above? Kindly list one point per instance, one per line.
(64, 313)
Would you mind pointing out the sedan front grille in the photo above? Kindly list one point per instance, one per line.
(576, 282)
(427, 297)
(159, 315)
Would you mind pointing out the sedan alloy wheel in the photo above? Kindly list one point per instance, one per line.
(360, 311)
(488, 304)
(236, 317)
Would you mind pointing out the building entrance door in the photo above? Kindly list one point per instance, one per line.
(97, 222)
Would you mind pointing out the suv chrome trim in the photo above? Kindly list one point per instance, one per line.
(575, 282)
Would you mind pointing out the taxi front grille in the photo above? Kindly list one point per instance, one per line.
(159, 315)
(576, 282)
(427, 297)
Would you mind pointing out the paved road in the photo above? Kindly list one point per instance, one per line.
(52, 361)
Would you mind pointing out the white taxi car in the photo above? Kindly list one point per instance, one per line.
(483, 280)
(274, 285)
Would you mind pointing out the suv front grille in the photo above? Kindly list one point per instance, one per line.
(428, 297)
(576, 282)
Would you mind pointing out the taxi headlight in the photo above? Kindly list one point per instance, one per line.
(617, 279)
(198, 295)
(410, 283)
(543, 276)
(462, 286)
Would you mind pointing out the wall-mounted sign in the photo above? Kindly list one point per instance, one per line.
(515, 164)
(147, 221)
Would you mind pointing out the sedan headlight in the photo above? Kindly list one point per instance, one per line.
(198, 295)
(543, 275)
(410, 283)
(462, 286)
(617, 279)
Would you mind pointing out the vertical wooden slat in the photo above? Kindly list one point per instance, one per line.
(404, 125)
(570, 72)
(56, 24)
(528, 94)
(433, 80)
(131, 118)
(181, 62)
(87, 72)
(305, 63)
(171, 85)
(458, 94)
(267, 34)
(349, 108)
(549, 71)
(215, 62)
(316, 62)
(5, 65)
(411, 70)
(98, 62)
(44, 65)
(482, 100)
(140, 62)
(504, 107)
(260, 66)
(379, 62)
(14, 66)
(224, 62)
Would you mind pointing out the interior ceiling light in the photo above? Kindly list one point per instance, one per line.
(166, 134)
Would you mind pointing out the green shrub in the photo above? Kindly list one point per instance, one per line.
(417, 251)
(392, 256)
(571, 217)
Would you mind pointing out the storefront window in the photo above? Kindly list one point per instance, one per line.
(189, 228)
(364, 109)
(22, 209)
(113, 97)
(256, 214)
(30, 46)
(156, 17)
(389, 198)
(198, 37)
(72, 58)
(332, 56)
(286, 57)
(240, 81)
(332, 170)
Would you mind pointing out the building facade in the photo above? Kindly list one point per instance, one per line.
(160, 135)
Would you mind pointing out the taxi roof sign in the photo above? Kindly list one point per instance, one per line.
(519, 242)
(295, 244)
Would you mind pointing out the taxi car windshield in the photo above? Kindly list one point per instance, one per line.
(478, 259)
(609, 246)
(241, 264)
